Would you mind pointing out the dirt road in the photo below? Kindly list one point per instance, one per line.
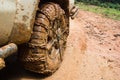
(93, 52)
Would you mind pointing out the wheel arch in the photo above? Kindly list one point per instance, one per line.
(63, 3)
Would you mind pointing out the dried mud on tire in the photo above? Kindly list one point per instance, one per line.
(44, 52)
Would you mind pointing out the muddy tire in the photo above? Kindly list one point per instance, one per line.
(45, 50)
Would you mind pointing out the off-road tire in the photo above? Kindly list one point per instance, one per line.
(44, 52)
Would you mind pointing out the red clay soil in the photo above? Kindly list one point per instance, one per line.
(93, 52)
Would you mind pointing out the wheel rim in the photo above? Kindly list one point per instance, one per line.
(56, 40)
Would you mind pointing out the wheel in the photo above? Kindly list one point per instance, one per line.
(45, 50)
